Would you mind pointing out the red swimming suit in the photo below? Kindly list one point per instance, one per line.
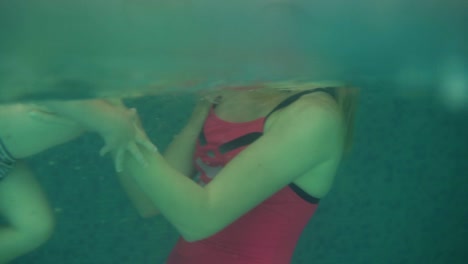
(268, 233)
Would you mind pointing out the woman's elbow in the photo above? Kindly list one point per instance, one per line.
(194, 237)
(199, 233)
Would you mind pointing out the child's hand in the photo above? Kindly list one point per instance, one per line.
(124, 135)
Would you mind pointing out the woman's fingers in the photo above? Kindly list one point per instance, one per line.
(142, 140)
(132, 149)
(136, 153)
(147, 145)
(119, 157)
(104, 150)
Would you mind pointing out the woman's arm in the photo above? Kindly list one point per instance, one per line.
(178, 155)
(300, 139)
(140, 200)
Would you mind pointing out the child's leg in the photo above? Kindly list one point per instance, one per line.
(28, 216)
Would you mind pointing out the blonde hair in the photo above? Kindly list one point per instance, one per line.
(346, 97)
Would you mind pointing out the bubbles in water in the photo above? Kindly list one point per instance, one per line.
(454, 85)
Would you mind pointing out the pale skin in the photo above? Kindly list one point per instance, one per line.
(29, 129)
(302, 143)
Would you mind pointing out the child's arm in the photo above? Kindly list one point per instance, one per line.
(111, 119)
(115, 123)
(25, 136)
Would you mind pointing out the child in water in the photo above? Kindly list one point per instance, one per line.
(27, 129)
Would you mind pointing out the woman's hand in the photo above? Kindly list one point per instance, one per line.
(123, 135)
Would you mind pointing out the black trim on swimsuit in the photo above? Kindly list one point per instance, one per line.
(241, 141)
(202, 138)
(305, 196)
(7, 161)
(329, 90)
(251, 137)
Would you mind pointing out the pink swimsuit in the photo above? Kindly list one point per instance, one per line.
(268, 233)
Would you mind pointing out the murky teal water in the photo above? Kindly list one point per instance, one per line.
(76, 49)
(399, 198)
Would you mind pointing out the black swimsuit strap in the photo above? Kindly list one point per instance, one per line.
(7, 161)
(249, 138)
(293, 98)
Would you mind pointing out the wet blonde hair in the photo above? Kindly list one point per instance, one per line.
(347, 101)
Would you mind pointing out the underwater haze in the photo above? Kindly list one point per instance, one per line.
(88, 48)
(399, 197)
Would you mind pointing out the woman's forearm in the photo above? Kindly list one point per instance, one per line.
(181, 201)
(179, 154)
(142, 202)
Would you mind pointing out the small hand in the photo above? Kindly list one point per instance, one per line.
(127, 137)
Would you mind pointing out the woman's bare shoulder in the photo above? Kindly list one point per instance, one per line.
(315, 110)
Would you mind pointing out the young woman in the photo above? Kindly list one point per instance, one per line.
(27, 217)
(246, 174)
